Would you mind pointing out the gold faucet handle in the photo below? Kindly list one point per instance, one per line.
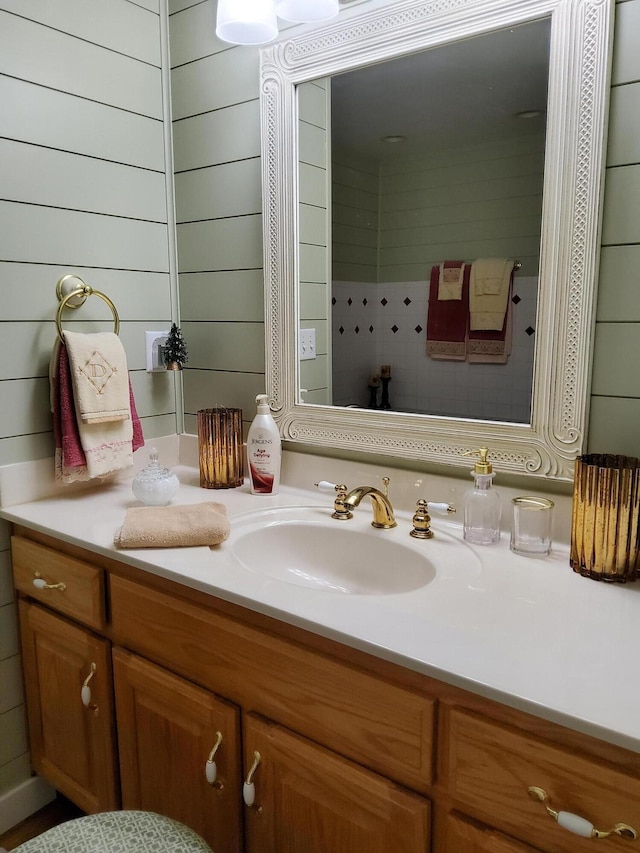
(422, 521)
(340, 509)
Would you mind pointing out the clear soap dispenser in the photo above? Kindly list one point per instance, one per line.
(482, 503)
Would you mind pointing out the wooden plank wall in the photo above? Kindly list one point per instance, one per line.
(615, 388)
(84, 190)
(216, 121)
(314, 188)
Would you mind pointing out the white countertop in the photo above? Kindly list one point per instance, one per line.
(527, 632)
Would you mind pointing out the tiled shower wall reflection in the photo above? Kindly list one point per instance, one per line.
(375, 324)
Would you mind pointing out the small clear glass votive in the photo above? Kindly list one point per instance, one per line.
(531, 526)
(220, 448)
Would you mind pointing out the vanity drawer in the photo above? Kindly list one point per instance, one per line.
(373, 721)
(78, 587)
(490, 767)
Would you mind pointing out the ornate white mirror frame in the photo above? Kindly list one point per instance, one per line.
(574, 163)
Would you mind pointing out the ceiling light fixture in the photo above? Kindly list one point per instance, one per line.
(306, 11)
(255, 21)
(246, 21)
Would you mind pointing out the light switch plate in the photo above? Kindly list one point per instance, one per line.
(307, 344)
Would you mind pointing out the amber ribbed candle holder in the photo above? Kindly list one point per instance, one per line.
(220, 448)
(605, 542)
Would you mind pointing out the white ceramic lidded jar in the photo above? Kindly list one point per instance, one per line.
(155, 485)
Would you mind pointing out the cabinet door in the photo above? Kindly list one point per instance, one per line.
(488, 769)
(307, 797)
(461, 834)
(72, 746)
(167, 728)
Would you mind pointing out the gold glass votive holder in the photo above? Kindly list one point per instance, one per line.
(220, 448)
(605, 542)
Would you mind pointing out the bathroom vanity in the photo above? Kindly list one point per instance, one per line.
(154, 680)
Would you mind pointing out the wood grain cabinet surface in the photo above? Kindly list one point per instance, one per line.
(462, 835)
(381, 724)
(70, 586)
(355, 753)
(72, 746)
(307, 797)
(167, 729)
(491, 767)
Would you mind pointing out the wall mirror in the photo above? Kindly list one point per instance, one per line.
(345, 259)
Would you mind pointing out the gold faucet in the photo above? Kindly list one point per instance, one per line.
(383, 517)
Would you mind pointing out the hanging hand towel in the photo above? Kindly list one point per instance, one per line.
(447, 318)
(489, 292)
(70, 462)
(100, 376)
(492, 347)
(450, 280)
(85, 451)
(174, 526)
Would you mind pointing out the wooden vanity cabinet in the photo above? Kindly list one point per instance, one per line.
(355, 753)
(302, 791)
(308, 798)
(462, 835)
(167, 729)
(305, 713)
(489, 767)
(72, 746)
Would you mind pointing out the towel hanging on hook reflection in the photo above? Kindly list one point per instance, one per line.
(470, 311)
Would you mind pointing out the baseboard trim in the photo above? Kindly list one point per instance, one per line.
(24, 800)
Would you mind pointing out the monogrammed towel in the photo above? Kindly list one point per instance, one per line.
(173, 526)
(100, 376)
(88, 450)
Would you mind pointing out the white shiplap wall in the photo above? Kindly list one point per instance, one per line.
(314, 114)
(216, 112)
(614, 425)
(84, 189)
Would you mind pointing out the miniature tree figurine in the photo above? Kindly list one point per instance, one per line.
(175, 351)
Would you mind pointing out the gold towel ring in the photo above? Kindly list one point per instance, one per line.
(81, 294)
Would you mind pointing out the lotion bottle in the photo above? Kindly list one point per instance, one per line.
(264, 451)
(482, 507)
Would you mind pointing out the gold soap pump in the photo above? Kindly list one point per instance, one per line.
(482, 508)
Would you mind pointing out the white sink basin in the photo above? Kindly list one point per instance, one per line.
(306, 547)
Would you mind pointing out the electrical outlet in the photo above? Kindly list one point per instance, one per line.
(307, 339)
(154, 346)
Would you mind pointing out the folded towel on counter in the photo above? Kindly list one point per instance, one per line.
(447, 318)
(84, 451)
(100, 376)
(173, 526)
(489, 286)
